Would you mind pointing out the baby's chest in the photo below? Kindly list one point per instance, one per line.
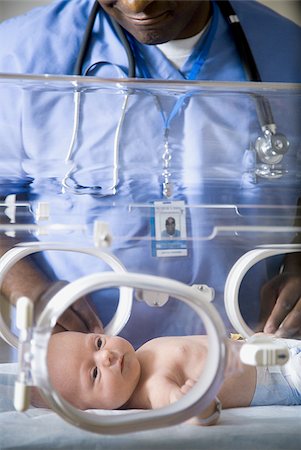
(186, 361)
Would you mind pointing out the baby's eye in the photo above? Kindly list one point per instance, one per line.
(99, 343)
(94, 373)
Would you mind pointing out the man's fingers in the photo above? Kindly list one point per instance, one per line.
(85, 311)
(291, 326)
(286, 302)
(80, 317)
(70, 321)
(268, 297)
(58, 329)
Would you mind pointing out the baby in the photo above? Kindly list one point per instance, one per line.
(105, 372)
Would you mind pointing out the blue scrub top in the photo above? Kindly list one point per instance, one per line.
(47, 40)
(208, 148)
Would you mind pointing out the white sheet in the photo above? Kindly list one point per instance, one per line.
(256, 428)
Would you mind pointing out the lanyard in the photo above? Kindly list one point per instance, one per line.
(202, 49)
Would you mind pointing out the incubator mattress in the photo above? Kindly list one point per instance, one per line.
(257, 428)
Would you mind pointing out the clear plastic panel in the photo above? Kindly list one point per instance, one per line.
(89, 163)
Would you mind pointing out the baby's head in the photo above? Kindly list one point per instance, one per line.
(93, 370)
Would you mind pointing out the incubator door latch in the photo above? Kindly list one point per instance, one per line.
(207, 291)
(101, 234)
(23, 382)
(151, 298)
(264, 351)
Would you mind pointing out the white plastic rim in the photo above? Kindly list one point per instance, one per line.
(191, 404)
(12, 256)
(236, 276)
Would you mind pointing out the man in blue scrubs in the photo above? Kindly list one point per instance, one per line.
(171, 40)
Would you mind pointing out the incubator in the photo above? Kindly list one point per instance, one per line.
(168, 232)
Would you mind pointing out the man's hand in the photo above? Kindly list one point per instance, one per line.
(80, 316)
(281, 305)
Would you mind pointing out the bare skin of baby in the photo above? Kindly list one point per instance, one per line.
(105, 372)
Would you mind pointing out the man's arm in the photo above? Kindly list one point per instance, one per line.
(281, 296)
(281, 300)
(25, 278)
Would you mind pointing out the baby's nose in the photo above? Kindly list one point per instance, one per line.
(106, 358)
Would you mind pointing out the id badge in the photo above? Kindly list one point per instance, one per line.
(168, 228)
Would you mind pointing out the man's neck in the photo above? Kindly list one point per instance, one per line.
(179, 50)
(199, 21)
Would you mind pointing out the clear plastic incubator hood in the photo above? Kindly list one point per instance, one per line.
(171, 205)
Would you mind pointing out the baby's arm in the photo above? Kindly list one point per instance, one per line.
(237, 390)
(209, 416)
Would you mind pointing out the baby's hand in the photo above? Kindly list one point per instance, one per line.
(178, 391)
(189, 383)
(209, 416)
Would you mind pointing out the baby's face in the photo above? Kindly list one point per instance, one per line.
(93, 370)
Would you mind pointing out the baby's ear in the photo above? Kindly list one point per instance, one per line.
(36, 399)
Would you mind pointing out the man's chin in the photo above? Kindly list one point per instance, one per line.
(150, 38)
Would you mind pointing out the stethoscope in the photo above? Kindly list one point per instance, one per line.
(269, 148)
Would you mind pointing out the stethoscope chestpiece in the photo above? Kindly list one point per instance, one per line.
(270, 149)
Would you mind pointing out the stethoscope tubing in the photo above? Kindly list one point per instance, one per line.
(78, 68)
(263, 108)
(269, 148)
